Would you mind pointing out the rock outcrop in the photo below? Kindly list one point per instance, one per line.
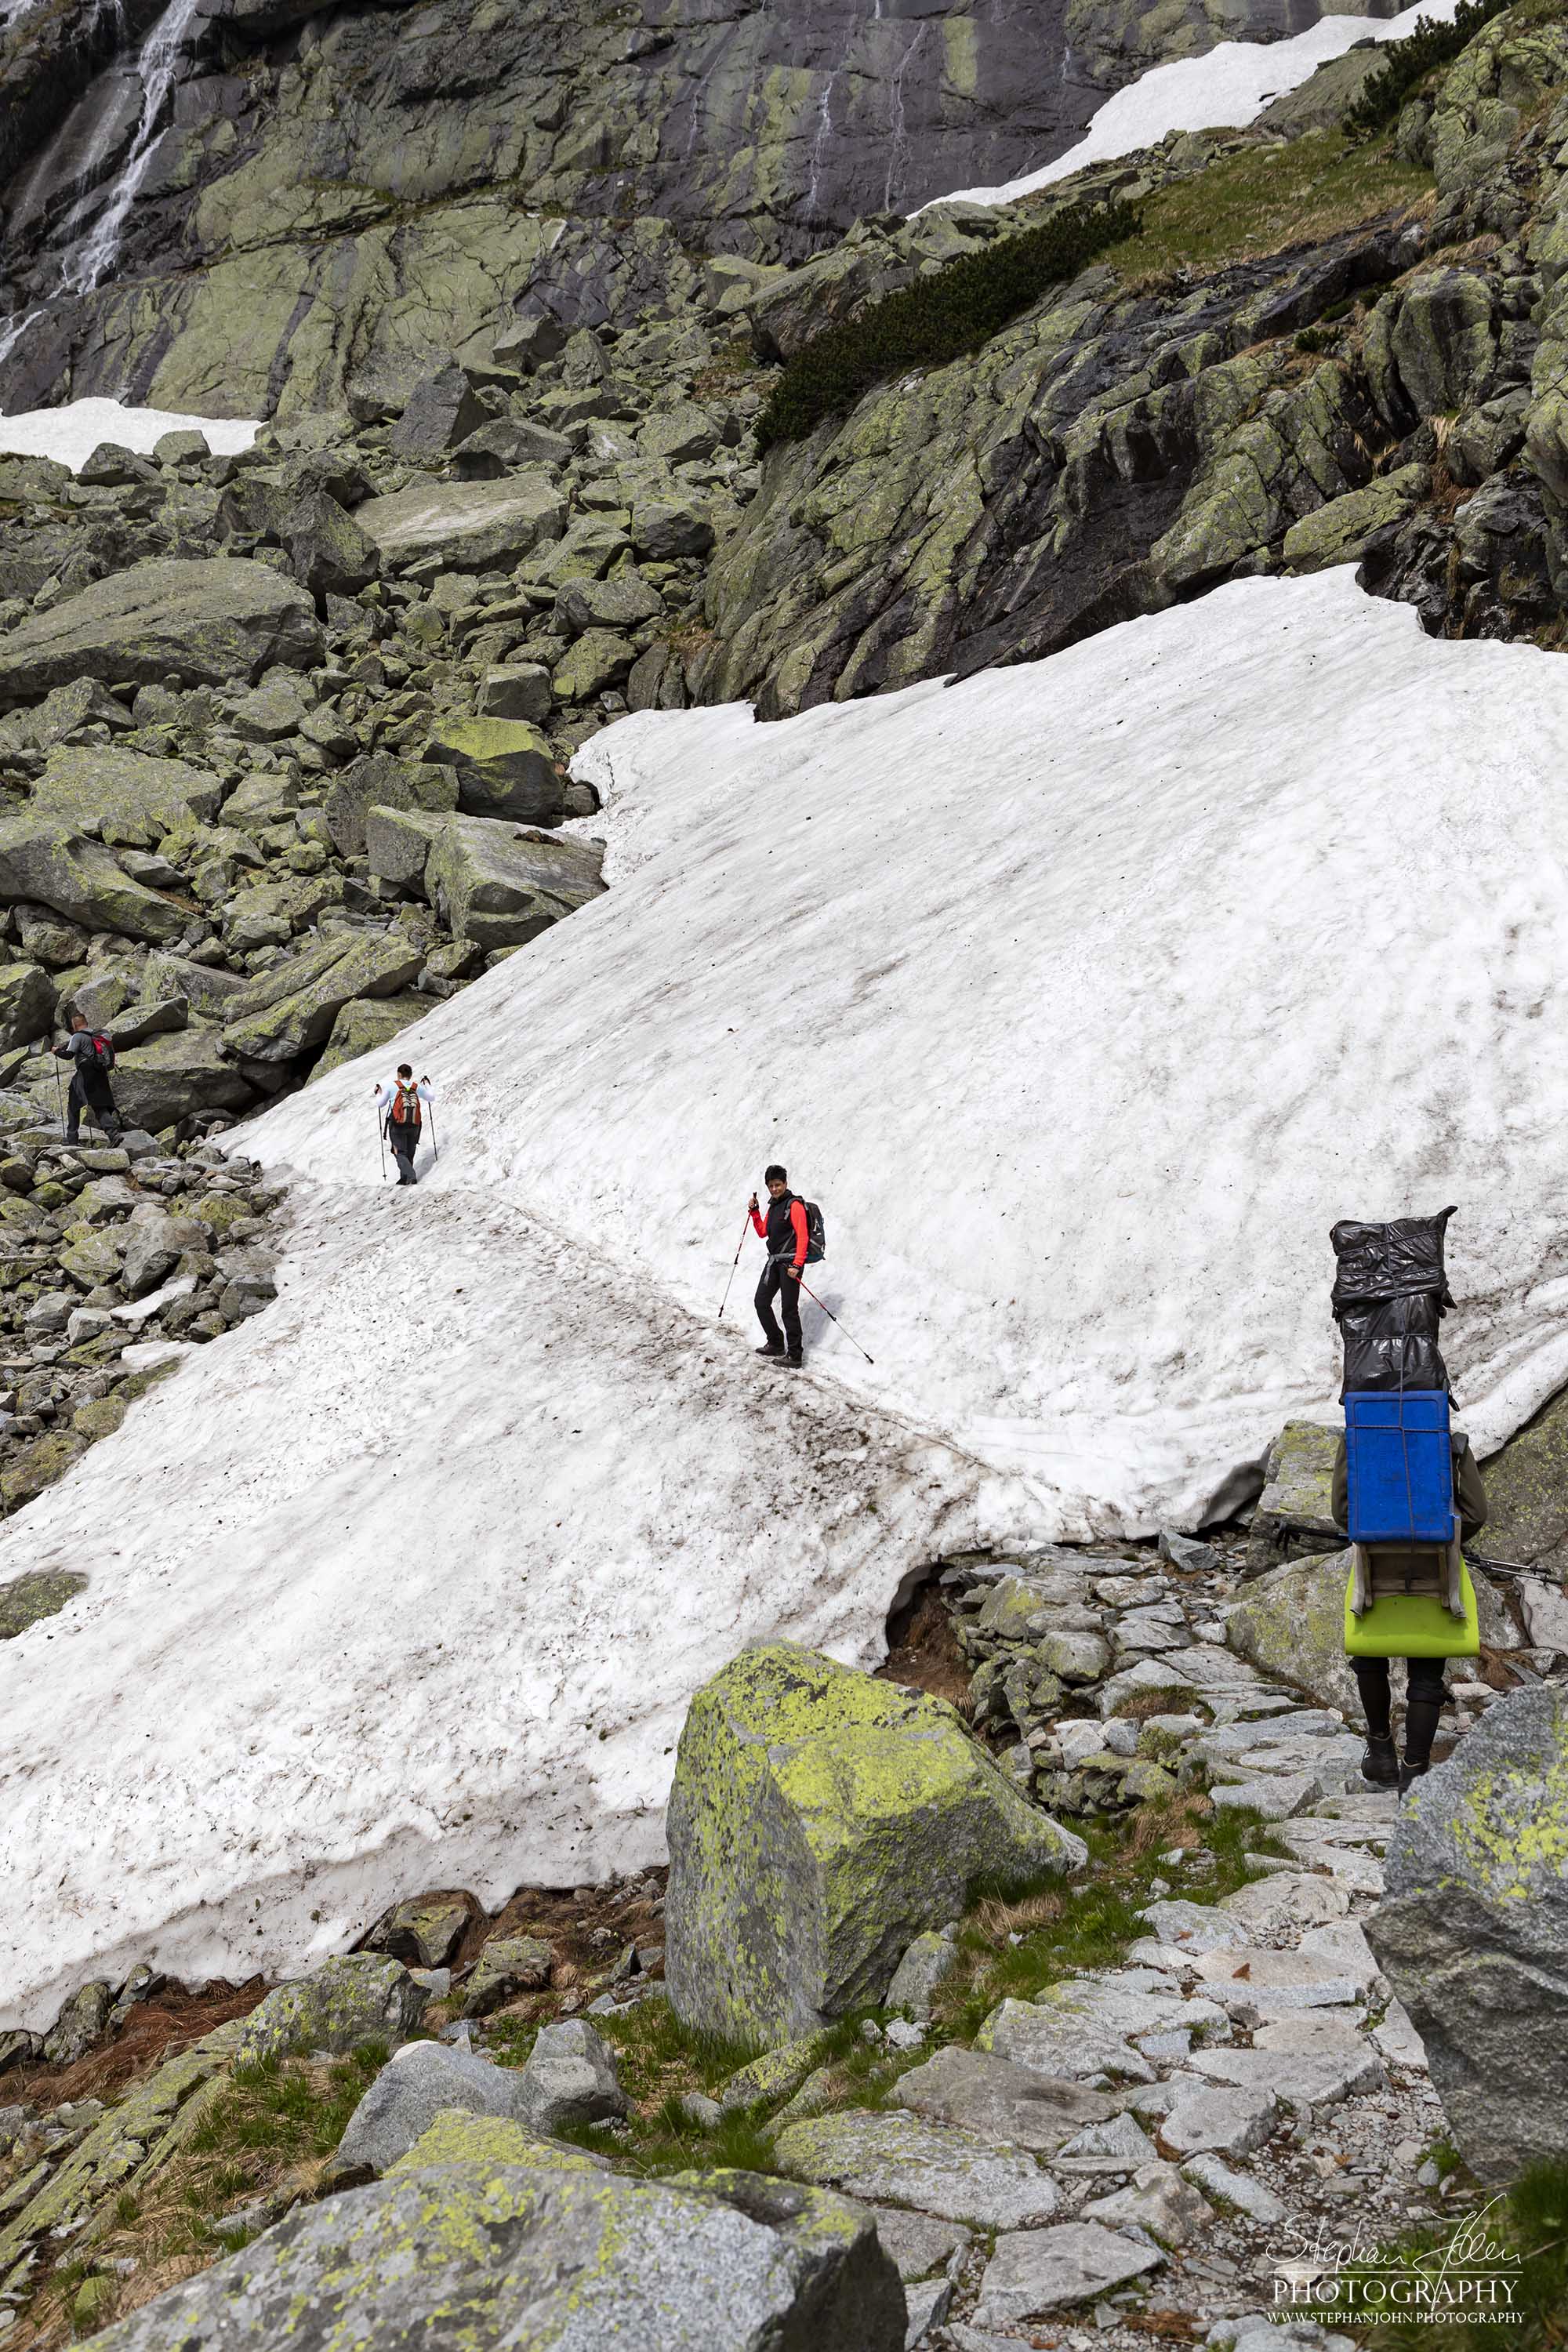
(819, 1820)
(483, 2232)
(1473, 1933)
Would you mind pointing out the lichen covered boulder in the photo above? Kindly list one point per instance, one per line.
(481, 2235)
(365, 1996)
(204, 621)
(1472, 1932)
(819, 1821)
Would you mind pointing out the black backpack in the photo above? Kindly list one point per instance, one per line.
(815, 1232)
(102, 1050)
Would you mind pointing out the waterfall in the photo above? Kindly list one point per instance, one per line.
(823, 133)
(85, 267)
(897, 144)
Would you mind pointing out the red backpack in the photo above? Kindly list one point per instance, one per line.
(404, 1109)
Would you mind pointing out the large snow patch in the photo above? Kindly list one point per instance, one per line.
(71, 434)
(1226, 88)
(1084, 995)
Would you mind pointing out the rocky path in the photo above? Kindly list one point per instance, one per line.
(1175, 2134)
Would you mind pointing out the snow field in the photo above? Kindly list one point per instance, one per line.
(1085, 996)
(72, 434)
(1226, 88)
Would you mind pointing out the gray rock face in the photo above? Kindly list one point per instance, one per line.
(424, 2080)
(481, 2236)
(1473, 1932)
(205, 623)
(41, 1593)
(362, 1998)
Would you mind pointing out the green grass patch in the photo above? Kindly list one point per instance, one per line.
(1062, 1925)
(1514, 2248)
(1259, 202)
(937, 319)
(1411, 60)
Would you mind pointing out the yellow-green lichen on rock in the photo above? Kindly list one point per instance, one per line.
(819, 1821)
(1473, 1932)
(472, 2240)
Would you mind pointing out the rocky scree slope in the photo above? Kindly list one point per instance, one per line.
(349, 180)
(278, 775)
(1114, 2104)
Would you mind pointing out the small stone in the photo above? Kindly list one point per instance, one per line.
(507, 1966)
(930, 1958)
(1158, 2201)
(424, 2080)
(1115, 2146)
(570, 2078)
(1248, 2197)
(1032, 2270)
(361, 1996)
(1185, 1552)
(1219, 2122)
(425, 1931)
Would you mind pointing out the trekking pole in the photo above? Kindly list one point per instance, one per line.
(381, 1138)
(739, 1247)
(435, 1147)
(833, 1318)
(59, 1097)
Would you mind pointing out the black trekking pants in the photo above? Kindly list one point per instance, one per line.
(1424, 1696)
(405, 1139)
(96, 1099)
(777, 1281)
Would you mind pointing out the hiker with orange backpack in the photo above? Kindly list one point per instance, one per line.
(399, 1102)
(93, 1054)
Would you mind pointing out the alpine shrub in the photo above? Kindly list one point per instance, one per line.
(938, 318)
(1431, 43)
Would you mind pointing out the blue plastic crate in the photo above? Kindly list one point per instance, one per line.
(1401, 1468)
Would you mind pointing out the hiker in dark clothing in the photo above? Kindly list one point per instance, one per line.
(783, 1229)
(89, 1088)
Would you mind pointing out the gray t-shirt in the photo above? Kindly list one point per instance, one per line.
(78, 1046)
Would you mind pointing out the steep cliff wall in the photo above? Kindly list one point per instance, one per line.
(292, 155)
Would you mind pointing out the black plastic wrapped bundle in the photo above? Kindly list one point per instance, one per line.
(1390, 1294)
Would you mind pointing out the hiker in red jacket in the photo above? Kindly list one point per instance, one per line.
(785, 1231)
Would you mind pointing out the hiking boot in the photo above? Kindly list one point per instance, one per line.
(1380, 1764)
(1410, 1773)
(795, 1359)
(771, 1347)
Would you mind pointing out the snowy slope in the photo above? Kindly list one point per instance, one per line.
(1228, 85)
(72, 432)
(1085, 995)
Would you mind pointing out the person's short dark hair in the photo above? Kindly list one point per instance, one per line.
(405, 1069)
(78, 1016)
(781, 1174)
